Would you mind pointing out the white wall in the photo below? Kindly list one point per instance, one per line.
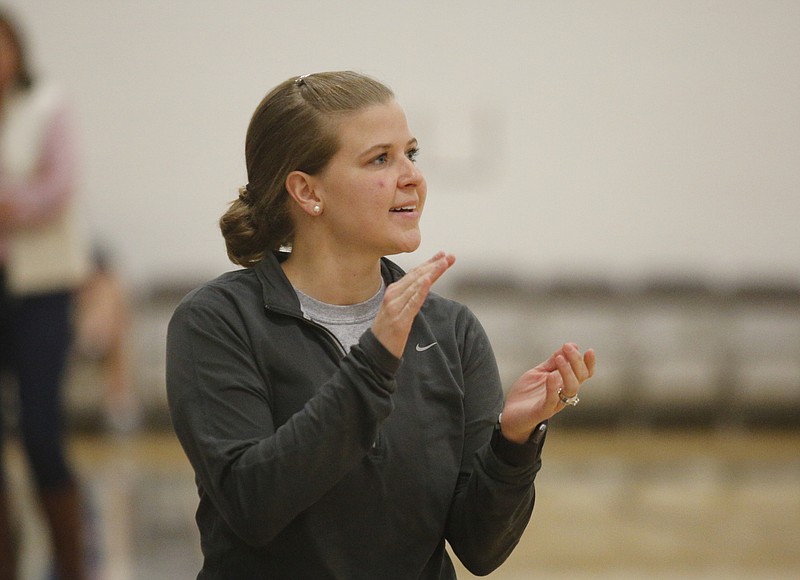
(618, 138)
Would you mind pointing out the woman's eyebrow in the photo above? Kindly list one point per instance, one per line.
(385, 146)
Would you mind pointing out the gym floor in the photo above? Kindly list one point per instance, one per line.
(621, 503)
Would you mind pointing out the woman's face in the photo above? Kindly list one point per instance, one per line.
(372, 192)
(9, 60)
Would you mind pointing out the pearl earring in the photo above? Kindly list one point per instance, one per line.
(317, 209)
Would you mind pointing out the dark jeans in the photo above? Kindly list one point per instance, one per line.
(35, 336)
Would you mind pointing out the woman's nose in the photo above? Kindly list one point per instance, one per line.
(411, 175)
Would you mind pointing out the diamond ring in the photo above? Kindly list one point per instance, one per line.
(573, 400)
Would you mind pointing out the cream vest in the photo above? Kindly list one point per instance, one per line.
(52, 256)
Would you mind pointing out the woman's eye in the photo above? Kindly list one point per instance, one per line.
(380, 159)
(383, 158)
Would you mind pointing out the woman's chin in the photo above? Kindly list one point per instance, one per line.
(409, 245)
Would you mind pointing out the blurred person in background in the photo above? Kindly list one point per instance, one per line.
(42, 262)
(102, 340)
(342, 420)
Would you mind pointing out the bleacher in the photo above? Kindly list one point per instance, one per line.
(670, 351)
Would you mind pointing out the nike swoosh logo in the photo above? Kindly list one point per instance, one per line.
(424, 348)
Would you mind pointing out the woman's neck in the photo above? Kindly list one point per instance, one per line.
(333, 279)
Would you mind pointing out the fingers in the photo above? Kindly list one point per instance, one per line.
(413, 288)
(572, 353)
(573, 368)
(582, 365)
(430, 270)
(590, 359)
(427, 275)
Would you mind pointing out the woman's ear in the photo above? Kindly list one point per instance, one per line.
(301, 188)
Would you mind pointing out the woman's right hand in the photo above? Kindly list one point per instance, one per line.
(403, 300)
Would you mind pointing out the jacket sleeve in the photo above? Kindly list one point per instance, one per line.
(495, 494)
(259, 477)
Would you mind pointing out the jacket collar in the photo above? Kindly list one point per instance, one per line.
(278, 293)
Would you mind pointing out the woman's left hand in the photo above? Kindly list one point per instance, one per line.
(534, 397)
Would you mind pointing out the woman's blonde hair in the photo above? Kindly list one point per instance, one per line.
(292, 129)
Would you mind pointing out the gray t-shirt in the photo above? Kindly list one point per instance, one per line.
(347, 323)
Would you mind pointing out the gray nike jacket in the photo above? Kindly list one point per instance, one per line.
(313, 464)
